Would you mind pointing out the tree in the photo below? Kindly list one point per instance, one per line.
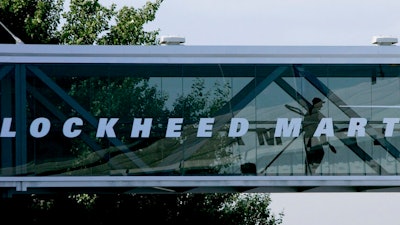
(85, 22)
(168, 209)
(88, 22)
(33, 21)
(129, 26)
(249, 209)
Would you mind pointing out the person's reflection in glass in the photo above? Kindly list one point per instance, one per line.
(313, 145)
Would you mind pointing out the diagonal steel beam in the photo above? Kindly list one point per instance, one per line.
(226, 113)
(298, 97)
(60, 115)
(351, 113)
(350, 143)
(5, 70)
(86, 115)
(376, 135)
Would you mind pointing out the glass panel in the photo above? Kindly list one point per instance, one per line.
(199, 119)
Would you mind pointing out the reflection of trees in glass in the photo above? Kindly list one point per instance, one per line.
(124, 98)
(36, 22)
(202, 103)
(127, 98)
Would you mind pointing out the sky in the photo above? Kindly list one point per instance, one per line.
(292, 23)
(274, 22)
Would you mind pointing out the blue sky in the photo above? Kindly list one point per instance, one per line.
(275, 22)
(288, 23)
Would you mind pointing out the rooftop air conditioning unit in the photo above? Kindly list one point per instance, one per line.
(172, 40)
(384, 40)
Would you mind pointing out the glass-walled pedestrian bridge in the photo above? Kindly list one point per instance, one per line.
(173, 119)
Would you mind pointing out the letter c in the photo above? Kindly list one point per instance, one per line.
(68, 125)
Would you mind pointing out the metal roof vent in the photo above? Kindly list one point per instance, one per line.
(384, 40)
(172, 40)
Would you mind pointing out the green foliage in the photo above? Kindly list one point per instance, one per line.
(33, 21)
(85, 21)
(88, 22)
(128, 29)
(85, 200)
(167, 209)
(249, 209)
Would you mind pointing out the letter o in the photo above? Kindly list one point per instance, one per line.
(40, 127)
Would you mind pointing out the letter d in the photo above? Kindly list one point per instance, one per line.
(235, 130)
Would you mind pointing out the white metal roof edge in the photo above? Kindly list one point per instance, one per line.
(278, 183)
(33, 53)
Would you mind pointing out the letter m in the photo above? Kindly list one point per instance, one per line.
(286, 129)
